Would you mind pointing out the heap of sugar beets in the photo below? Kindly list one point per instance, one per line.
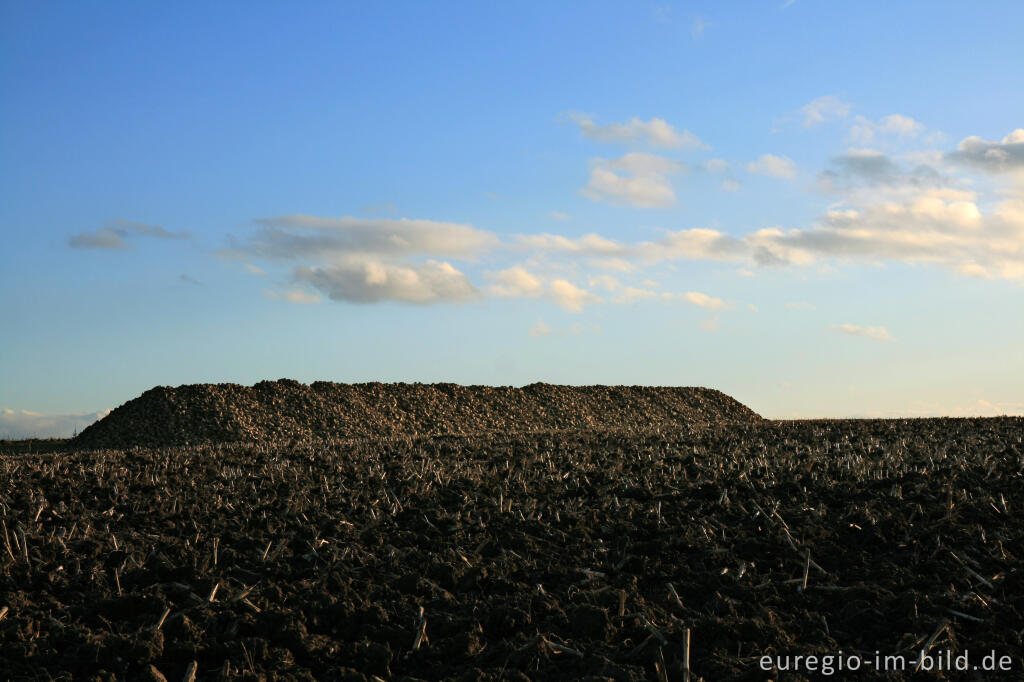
(289, 410)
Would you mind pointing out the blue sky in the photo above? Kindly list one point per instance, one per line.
(816, 207)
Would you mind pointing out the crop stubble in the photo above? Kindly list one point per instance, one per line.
(554, 555)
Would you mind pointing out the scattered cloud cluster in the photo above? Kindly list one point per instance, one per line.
(907, 208)
(638, 179)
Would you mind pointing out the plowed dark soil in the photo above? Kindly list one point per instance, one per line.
(530, 556)
(286, 409)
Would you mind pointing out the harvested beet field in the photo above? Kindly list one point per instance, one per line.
(583, 554)
(286, 409)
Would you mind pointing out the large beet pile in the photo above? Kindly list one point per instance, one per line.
(286, 409)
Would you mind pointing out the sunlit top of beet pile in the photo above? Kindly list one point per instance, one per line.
(287, 409)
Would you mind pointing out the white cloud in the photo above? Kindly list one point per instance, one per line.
(1005, 155)
(18, 424)
(716, 166)
(516, 282)
(730, 185)
(864, 130)
(373, 281)
(253, 269)
(913, 218)
(570, 297)
(361, 260)
(559, 215)
(940, 225)
(822, 109)
(876, 333)
(692, 244)
(588, 244)
(655, 132)
(775, 166)
(709, 325)
(698, 299)
(636, 179)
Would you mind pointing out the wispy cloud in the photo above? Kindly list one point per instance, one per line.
(633, 294)
(698, 27)
(698, 299)
(516, 282)
(772, 165)
(864, 130)
(656, 132)
(571, 297)
(876, 333)
(637, 179)
(311, 237)
(293, 295)
(822, 109)
(542, 329)
(115, 234)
